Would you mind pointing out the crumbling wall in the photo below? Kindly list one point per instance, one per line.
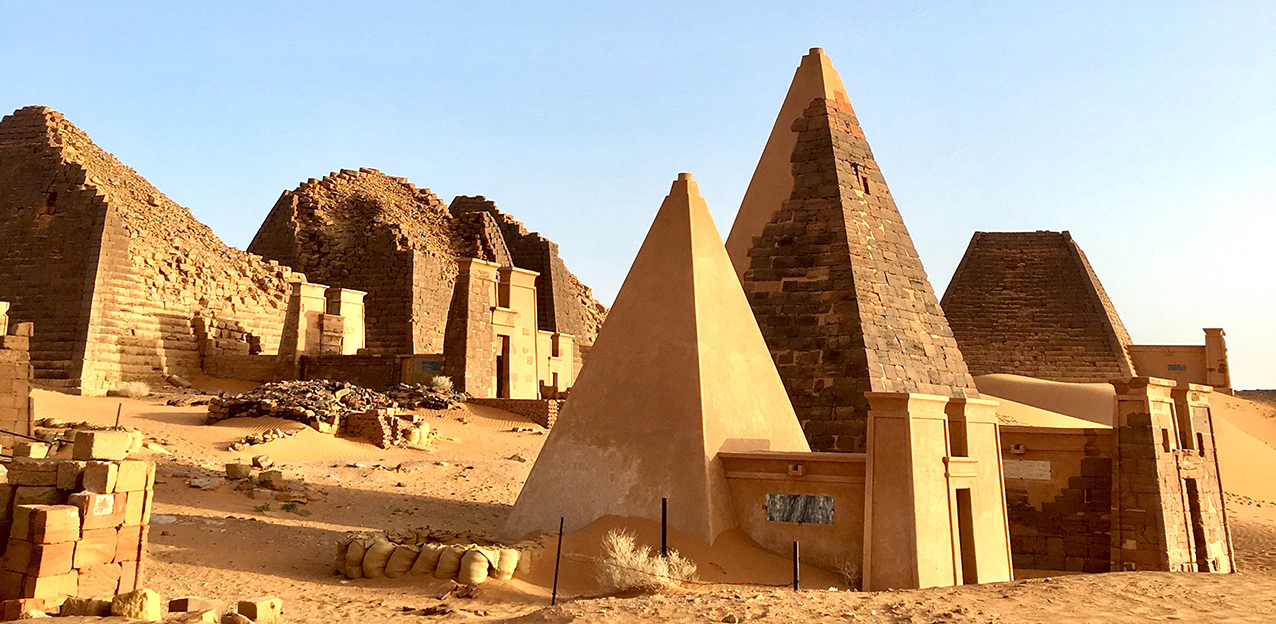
(15, 388)
(111, 271)
(564, 304)
(839, 291)
(1028, 303)
(378, 234)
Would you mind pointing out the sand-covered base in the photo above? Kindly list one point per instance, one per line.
(213, 543)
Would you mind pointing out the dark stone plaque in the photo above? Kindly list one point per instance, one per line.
(799, 508)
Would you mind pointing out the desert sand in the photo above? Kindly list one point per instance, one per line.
(221, 544)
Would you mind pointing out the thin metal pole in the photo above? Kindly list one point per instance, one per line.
(796, 561)
(117, 415)
(553, 599)
(664, 527)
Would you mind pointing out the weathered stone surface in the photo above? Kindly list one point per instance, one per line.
(140, 604)
(1028, 303)
(839, 291)
(102, 445)
(93, 607)
(261, 610)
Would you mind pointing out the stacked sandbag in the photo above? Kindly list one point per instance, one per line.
(376, 555)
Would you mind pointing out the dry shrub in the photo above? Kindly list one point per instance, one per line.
(131, 389)
(627, 566)
(441, 384)
(850, 571)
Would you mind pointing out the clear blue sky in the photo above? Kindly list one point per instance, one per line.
(1147, 129)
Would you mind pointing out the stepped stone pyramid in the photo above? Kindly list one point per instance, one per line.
(679, 372)
(832, 275)
(1028, 303)
(116, 277)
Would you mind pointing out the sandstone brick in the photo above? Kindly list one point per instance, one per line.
(100, 477)
(46, 523)
(135, 475)
(102, 445)
(99, 511)
(36, 495)
(100, 581)
(91, 607)
(96, 546)
(69, 475)
(263, 610)
(129, 542)
(51, 588)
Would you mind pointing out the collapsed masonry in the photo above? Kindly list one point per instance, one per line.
(1029, 303)
(831, 273)
(121, 283)
(15, 380)
(468, 284)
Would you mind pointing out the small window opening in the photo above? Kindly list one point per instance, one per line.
(957, 438)
(1165, 439)
(1200, 444)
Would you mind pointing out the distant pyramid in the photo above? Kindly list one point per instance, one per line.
(773, 179)
(833, 278)
(1028, 303)
(678, 373)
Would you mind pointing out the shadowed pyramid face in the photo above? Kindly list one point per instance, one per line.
(832, 275)
(679, 372)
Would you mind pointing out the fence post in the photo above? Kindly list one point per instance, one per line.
(796, 561)
(664, 527)
(553, 599)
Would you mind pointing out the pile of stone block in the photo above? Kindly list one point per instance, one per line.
(400, 553)
(385, 428)
(420, 396)
(320, 403)
(15, 378)
(75, 527)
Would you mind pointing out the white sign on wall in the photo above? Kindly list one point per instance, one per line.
(1035, 469)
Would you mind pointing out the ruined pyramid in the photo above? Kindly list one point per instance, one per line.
(117, 278)
(832, 275)
(679, 372)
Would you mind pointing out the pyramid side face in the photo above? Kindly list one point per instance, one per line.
(630, 432)
(840, 292)
(1028, 303)
(773, 178)
(136, 266)
(679, 373)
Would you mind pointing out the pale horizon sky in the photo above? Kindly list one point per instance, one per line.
(1146, 129)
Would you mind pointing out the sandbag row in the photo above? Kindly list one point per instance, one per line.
(375, 556)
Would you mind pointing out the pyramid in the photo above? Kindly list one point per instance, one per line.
(678, 373)
(117, 278)
(772, 179)
(1028, 303)
(834, 280)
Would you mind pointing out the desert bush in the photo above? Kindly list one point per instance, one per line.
(626, 565)
(850, 571)
(131, 389)
(441, 383)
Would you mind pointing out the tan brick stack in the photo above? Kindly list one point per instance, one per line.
(1028, 303)
(74, 528)
(111, 271)
(839, 290)
(15, 383)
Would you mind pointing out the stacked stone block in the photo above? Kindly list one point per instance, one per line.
(74, 528)
(1071, 532)
(839, 290)
(468, 356)
(1029, 303)
(111, 271)
(15, 387)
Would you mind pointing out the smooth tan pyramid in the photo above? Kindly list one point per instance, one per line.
(773, 179)
(679, 372)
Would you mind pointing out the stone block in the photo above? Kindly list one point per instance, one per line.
(13, 608)
(130, 575)
(100, 581)
(108, 445)
(100, 476)
(135, 475)
(33, 472)
(134, 505)
(69, 473)
(17, 556)
(53, 589)
(96, 547)
(263, 610)
(45, 524)
(46, 495)
(89, 607)
(238, 471)
(50, 559)
(141, 604)
(129, 542)
(192, 603)
(98, 511)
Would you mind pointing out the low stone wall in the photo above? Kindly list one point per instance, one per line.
(540, 411)
(263, 368)
(74, 528)
(15, 388)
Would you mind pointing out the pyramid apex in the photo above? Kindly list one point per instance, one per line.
(816, 52)
(684, 176)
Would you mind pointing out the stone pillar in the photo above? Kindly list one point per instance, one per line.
(15, 387)
(468, 354)
(908, 527)
(1217, 373)
(4, 317)
(972, 424)
(303, 324)
(1198, 461)
(1149, 531)
(348, 304)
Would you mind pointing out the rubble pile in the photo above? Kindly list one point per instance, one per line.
(420, 396)
(321, 403)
